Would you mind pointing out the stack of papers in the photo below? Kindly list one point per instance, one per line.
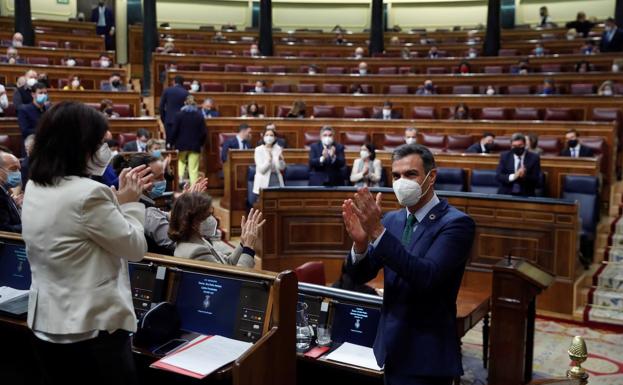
(9, 294)
(203, 356)
(356, 355)
(13, 301)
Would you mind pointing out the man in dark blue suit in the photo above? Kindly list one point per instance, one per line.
(238, 142)
(104, 23)
(422, 250)
(611, 38)
(28, 115)
(326, 159)
(10, 177)
(171, 103)
(573, 148)
(519, 170)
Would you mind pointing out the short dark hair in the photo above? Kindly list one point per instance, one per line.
(388, 104)
(572, 131)
(371, 149)
(491, 134)
(178, 79)
(518, 136)
(68, 134)
(242, 127)
(143, 132)
(188, 211)
(38, 86)
(140, 159)
(416, 149)
(115, 74)
(534, 139)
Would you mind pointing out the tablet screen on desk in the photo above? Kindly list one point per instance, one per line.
(354, 323)
(14, 266)
(143, 283)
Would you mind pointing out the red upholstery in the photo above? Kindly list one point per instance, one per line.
(606, 114)
(48, 44)
(255, 69)
(502, 143)
(355, 112)
(306, 88)
(234, 67)
(459, 143)
(424, 113)
(248, 87)
(519, 89)
(462, 89)
(222, 137)
(311, 138)
(436, 70)
(62, 83)
(353, 140)
(595, 143)
(13, 143)
(311, 272)
(10, 111)
(391, 141)
(493, 69)
(225, 52)
(324, 112)
(494, 113)
(405, 70)
(556, 113)
(387, 70)
(123, 110)
(507, 52)
(435, 142)
(277, 69)
(212, 87)
(124, 138)
(399, 89)
(549, 144)
(582, 89)
(335, 70)
(307, 54)
(283, 111)
(202, 52)
(38, 60)
(210, 67)
(330, 88)
(280, 87)
(526, 113)
(550, 68)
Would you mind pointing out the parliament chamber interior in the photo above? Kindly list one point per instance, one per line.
(299, 191)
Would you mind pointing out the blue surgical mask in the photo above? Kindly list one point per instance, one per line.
(158, 188)
(156, 153)
(14, 179)
(41, 99)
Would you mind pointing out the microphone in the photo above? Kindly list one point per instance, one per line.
(510, 258)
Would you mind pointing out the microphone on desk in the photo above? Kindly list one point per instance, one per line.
(510, 258)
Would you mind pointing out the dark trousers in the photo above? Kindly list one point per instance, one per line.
(394, 377)
(109, 40)
(106, 359)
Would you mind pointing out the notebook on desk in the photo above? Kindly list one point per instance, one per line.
(13, 302)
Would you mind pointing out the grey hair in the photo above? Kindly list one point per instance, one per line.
(29, 141)
(410, 149)
(326, 128)
(518, 136)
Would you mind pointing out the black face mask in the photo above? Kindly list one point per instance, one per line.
(489, 147)
(115, 83)
(518, 151)
(108, 111)
(572, 143)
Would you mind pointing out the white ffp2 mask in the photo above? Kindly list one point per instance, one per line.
(408, 192)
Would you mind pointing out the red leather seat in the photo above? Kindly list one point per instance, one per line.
(311, 138)
(494, 113)
(403, 70)
(324, 112)
(606, 114)
(550, 68)
(494, 69)
(355, 112)
(280, 87)
(234, 67)
(595, 143)
(306, 88)
(222, 138)
(398, 89)
(202, 52)
(387, 70)
(463, 89)
(210, 67)
(277, 69)
(501, 143)
(434, 142)
(307, 54)
(582, 89)
(10, 111)
(212, 87)
(63, 82)
(48, 44)
(123, 110)
(549, 144)
(424, 113)
(311, 272)
(38, 60)
(519, 89)
(392, 141)
(330, 88)
(556, 113)
(526, 113)
(12, 142)
(124, 138)
(255, 68)
(335, 70)
(247, 87)
(283, 111)
(459, 143)
(436, 70)
(225, 52)
(507, 52)
(353, 140)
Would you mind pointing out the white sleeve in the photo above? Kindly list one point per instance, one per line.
(355, 257)
(262, 163)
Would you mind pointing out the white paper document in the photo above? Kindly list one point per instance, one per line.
(204, 357)
(8, 294)
(354, 355)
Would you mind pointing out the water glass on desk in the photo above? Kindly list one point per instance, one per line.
(323, 337)
(304, 331)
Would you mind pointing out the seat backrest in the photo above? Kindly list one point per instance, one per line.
(399, 89)
(123, 110)
(550, 144)
(353, 140)
(38, 60)
(324, 112)
(212, 87)
(311, 272)
(606, 114)
(330, 88)
(392, 141)
(227, 52)
(234, 67)
(494, 69)
(247, 87)
(483, 181)
(280, 87)
(251, 198)
(494, 113)
(10, 111)
(518, 89)
(283, 111)
(387, 70)
(255, 68)
(501, 143)
(585, 190)
(450, 179)
(355, 112)
(306, 88)
(335, 70)
(311, 137)
(526, 113)
(48, 44)
(552, 67)
(557, 113)
(582, 89)
(424, 113)
(296, 175)
(210, 67)
(435, 142)
(463, 89)
(507, 52)
(126, 137)
(595, 143)
(277, 69)
(436, 70)
(458, 143)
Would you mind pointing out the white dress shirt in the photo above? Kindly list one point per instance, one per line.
(101, 21)
(518, 164)
(575, 151)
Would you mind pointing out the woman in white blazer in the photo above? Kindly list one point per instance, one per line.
(367, 170)
(269, 162)
(189, 212)
(79, 235)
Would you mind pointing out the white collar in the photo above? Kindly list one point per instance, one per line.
(423, 211)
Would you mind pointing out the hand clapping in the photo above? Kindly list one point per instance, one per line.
(132, 182)
(250, 228)
(362, 217)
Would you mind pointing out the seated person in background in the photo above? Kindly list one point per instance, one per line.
(346, 282)
(69, 61)
(357, 89)
(461, 112)
(43, 78)
(617, 64)
(581, 24)
(154, 148)
(583, 67)
(427, 89)
(297, 110)
(208, 109)
(433, 52)
(465, 68)
(260, 87)
(273, 127)
(326, 159)
(548, 87)
(519, 170)
(532, 144)
(606, 88)
(395, 40)
(104, 60)
(106, 108)
(188, 137)
(218, 36)
(359, 52)
(545, 21)
(4, 100)
(10, 178)
(239, 142)
(17, 40)
(363, 68)
(387, 113)
(472, 53)
(140, 144)
(490, 90)
(573, 148)
(339, 39)
(23, 94)
(195, 86)
(168, 47)
(189, 211)
(312, 69)
(522, 67)
(367, 170)
(410, 135)
(24, 162)
(269, 162)
(539, 50)
(114, 147)
(588, 48)
(254, 50)
(74, 84)
(12, 57)
(572, 33)
(114, 84)
(612, 37)
(28, 115)
(484, 146)
(252, 111)
(405, 53)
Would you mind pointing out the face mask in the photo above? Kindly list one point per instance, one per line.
(572, 143)
(461, 114)
(75, 83)
(363, 72)
(364, 154)
(194, 87)
(115, 83)
(71, 62)
(158, 188)
(429, 87)
(489, 147)
(254, 52)
(490, 91)
(615, 68)
(607, 28)
(208, 227)
(410, 140)
(108, 111)
(588, 51)
(570, 37)
(31, 82)
(472, 54)
(311, 72)
(4, 101)
(42, 98)
(408, 192)
(327, 140)
(17, 43)
(548, 91)
(268, 139)
(518, 151)
(97, 163)
(156, 153)
(387, 112)
(259, 89)
(14, 179)
(104, 63)
(539, 51)
(114, 153)
(607, 92)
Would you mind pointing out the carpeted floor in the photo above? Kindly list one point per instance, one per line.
(552, 339)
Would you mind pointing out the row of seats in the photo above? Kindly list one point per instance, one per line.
(124, 110)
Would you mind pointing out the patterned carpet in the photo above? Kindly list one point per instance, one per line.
(552, 339)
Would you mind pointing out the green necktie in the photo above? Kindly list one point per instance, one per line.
(406, 235)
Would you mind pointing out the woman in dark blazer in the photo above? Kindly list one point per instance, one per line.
(188, 136)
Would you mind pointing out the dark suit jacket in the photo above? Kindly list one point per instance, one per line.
(584, 152)
(110, 19)
(475, 148)
(232, 143)
(171, 103)
(614, 45)
(394, 115)
(27, 117)
(189, 130)
(417, 330)
(527, 184)
(10, 219)
(131, 147)
(326, 174)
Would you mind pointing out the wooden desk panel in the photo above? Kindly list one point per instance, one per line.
(55, 55)
(65, 40)
(306, 224)
(90, 76)
(55, 25)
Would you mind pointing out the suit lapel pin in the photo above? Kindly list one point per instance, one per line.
(432, 217)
